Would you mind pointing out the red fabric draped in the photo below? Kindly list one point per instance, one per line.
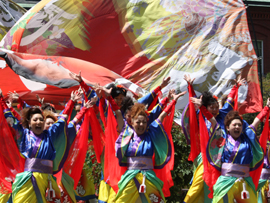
(101, 111)
(97, 134)
(154, 102)
(164, 174)
(210, 174)
(194, 128)
(74, 164)
(11, 162)
(236, 100)
(255, 175)
(112, 170)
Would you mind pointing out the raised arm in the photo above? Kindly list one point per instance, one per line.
(262, 115)
(234, 90)
(149, 98)
(204, 111)
(190, 82)
(168, 109)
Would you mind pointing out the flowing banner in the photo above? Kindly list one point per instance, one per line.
(134, 42)
(10, 13)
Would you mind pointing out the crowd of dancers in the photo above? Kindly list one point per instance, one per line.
(132, 141)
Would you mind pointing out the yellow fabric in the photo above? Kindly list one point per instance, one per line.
(131, 195)
(86, 186)
(196, 193)
(112, 195)
(104, 191)
(263, 190)
(235, 193)
(4, 198)
(27, 193)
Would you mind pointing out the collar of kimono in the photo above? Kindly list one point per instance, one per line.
(37, 143)
(135, 143)
(236, 144)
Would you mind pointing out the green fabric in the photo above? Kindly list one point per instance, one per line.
(130, 174)
(224, 184)
(206, 192)
(197, 161)
(261, 184)
(68, 183)
(21, 179)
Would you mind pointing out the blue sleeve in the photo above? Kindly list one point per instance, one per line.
(71, 132)
(14, 123)
(147, 99)
(90, 94)
(228, 106)
(57, 128)
(154, 113)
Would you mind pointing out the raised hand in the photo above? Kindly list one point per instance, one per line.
(39, 99)
(176, 96)
(170, 94)
(196, 101)
(76, 77)
(165, 82)
(13, 96)
(75, 96)
(241, 81)
(188, 79)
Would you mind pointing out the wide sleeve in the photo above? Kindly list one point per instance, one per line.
(256, 148)
(15, 124)
(148, 98)
(161, 143)
(57, 128)
(155, 112)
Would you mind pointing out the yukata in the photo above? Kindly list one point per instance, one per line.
(263, 187)
(106, 193)
(39, 152)
(198, 191)
(136, 153)
(235, 159)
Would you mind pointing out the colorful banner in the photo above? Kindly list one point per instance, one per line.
(144, 41)
(10, 13)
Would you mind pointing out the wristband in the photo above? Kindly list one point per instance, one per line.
(80, 115)
(206, 113)
(114, 106)
(263, 113)
(169, 107)
(68, 107)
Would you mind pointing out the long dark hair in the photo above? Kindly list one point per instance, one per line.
(27, 114)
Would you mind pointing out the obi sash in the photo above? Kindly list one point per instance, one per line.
(235, 170)
(140, 163)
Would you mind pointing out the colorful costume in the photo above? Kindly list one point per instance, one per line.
(136, 153)
(197, 191)
(39, 151)
(235, 159)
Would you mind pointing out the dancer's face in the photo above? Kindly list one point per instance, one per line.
(128, 117)
(118, 100)
(48, 123)
(37, 123)
(213, 109)
(235, 128)
(139, 124)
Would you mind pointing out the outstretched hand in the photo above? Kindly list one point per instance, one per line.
(170, 94)
(76, 77)
(188, 79)
(75, 96)
(196, 101)
(13, 96)
(241, 81)
(39, 99)
(102, 91)
(176, 96)
(165, 82)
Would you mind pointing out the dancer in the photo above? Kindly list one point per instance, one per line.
(236, 153)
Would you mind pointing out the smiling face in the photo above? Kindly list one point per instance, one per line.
(118, 100)
(235, 128)
(139, 124)
(213, 109)
(37, 123)
(48, 123)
